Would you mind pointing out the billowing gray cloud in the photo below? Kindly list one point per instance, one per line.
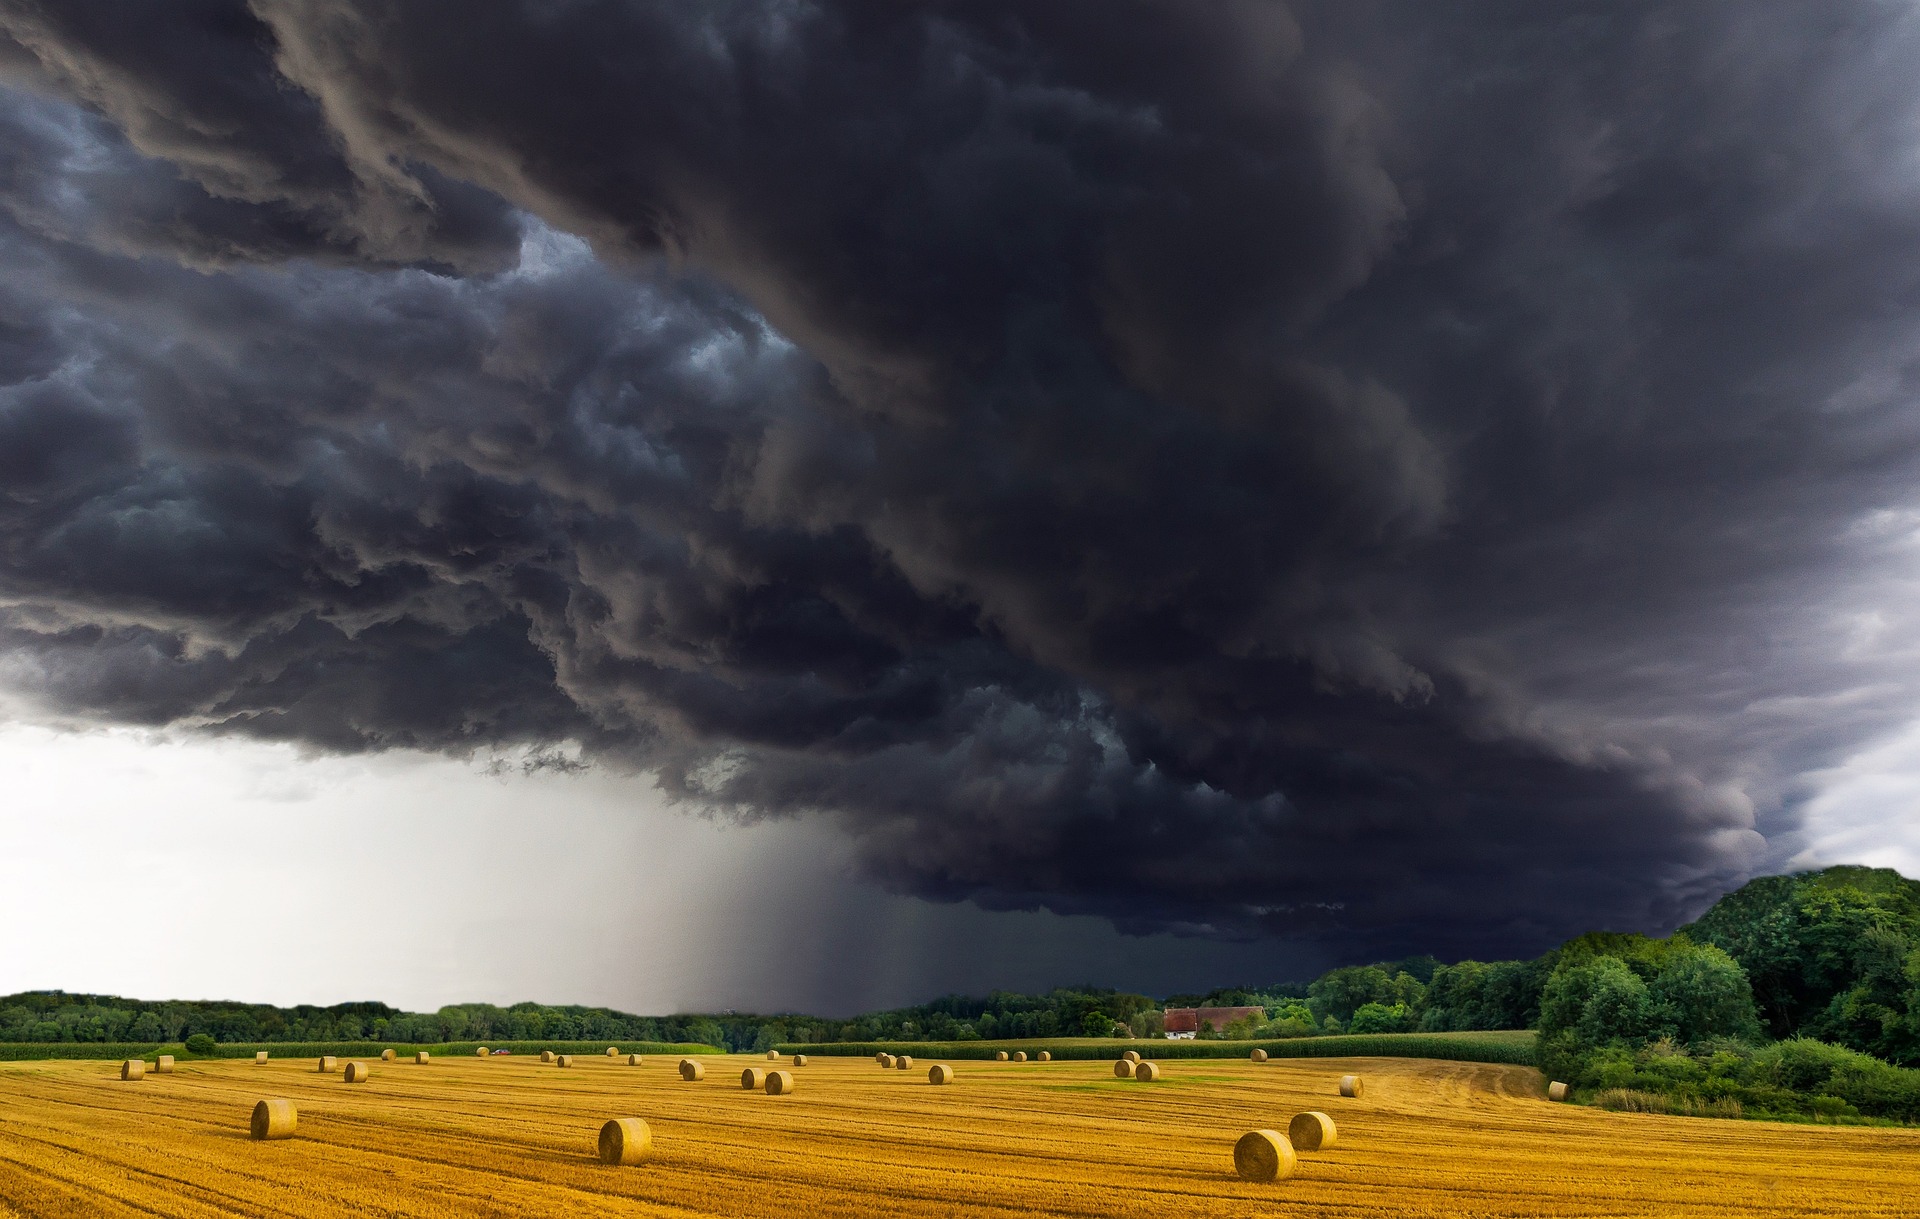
(1411, 476)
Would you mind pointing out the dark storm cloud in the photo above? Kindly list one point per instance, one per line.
(1401, 474)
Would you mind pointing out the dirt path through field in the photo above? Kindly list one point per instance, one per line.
(510, 1137)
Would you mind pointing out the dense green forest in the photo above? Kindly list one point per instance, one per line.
(1793, 996)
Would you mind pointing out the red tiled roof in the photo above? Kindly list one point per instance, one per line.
(1188, 1019)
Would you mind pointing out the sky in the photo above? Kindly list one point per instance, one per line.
(818, 505)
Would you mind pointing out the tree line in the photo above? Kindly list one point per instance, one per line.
(1792, 995)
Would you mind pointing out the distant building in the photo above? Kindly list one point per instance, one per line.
(1185, 1022)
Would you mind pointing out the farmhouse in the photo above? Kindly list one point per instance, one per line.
(1184, 1022)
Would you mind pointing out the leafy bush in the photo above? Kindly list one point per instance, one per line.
(201, 1043)
(1380, 1018)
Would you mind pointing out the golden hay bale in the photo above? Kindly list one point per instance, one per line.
(625, 1140)
(422, 1057)
(483, 1052)
(613, 1051)
(904, 1062)
(1556, 1091)
(274, 1119)
(1000, 1057)
(1019, 1055)
(133, 1068)
(753, 1078)
(386, 1055)
(1045, 1055)
(886, 1060)
(779, 1083)
(163, 1064)
(563, 1060)
(939, 1073)
(1146, 1072)
(328, 1063)
(1258, 1056)
(546, 1055)
(633, 1060)
(357, 1072)
(799, 1060)
(881, 1057)
(1263, 1155)
(1351, 1086)
(691, 1070)
(1130, 1056)
(773, 1055)
(259, 1055)
(1312, 1131)
(1123, 1069)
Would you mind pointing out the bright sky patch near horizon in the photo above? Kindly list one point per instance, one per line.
(173, 867)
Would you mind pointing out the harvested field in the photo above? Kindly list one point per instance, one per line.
(507, 1138)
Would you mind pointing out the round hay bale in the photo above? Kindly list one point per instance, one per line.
(1046, 1055)
(1000, 1057)
(939, 1073)
(886, 1060)
(613, 1051)
(799, 1060)
(386, 1055)
(633, 1060)
(1351, 1086)
(563, 1060)
(357, 1072)
(1556, 1091)
(259, 1056)
(422, 1057)
(483, 1052)
(779, 1083)
(773, 1055)
(904, 1062)
(1312, 1131)
(882, 1057)
(163, 1064)
(691, 1070)
(1019, 1055)
(133, 1068)
(1258, 1056)
(546, 1055)
(1130, 1056)
(625, 1140)
(1263, 1155)
(274, 1119)
(1146, 1072)
(753, 1078)
(1123, 1069)
(328, 1063)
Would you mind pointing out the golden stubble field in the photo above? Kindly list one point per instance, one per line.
(511, 1137)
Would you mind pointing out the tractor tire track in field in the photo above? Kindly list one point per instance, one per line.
(1064, 1139)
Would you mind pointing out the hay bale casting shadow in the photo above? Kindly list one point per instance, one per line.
(1263, 1155)
(1312, 1131)
(274, 1119)
(625, 1140)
